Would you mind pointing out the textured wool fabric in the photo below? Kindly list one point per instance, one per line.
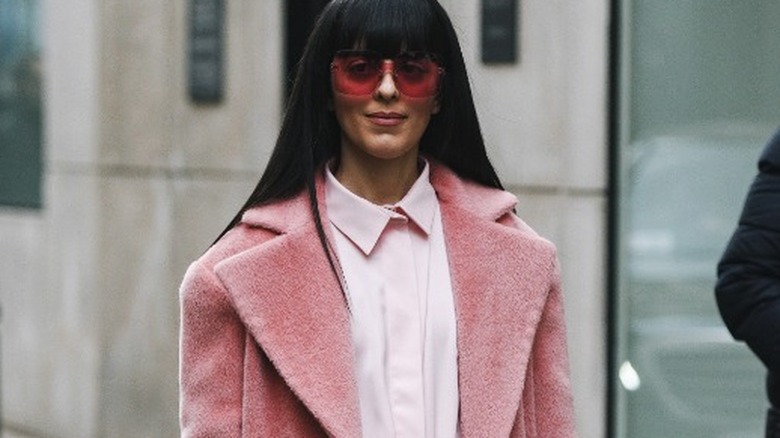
(265, 342)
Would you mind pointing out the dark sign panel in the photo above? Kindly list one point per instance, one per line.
(206, 50)
(499, 31)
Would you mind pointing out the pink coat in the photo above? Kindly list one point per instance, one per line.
(265, 339)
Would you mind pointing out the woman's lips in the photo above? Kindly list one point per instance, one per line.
(386, 118)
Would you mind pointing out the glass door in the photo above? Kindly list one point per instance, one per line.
(698, 96)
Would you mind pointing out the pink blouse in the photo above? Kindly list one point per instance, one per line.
(397, 278)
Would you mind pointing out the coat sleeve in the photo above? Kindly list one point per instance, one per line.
(212, 340)
(547, 400)
(748, 286)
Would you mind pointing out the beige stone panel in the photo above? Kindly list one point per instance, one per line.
(137, 82)
(587, 116)
(152, 227)
(544, 117)
(71, 310)
(576, 224)
(22, 262)
(138, 307)
(239, 132)
(52, 361)
(520, 105)
(541, 210)
(266, 48)
(583, 257)
(70, 71)
(203, 207)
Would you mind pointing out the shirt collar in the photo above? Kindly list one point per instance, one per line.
(363, 221)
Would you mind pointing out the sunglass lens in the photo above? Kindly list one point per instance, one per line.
(356, 73)
(416, 76)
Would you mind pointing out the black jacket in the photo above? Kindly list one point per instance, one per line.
(748, 287)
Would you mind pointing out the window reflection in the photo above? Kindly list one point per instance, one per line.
(20, 104)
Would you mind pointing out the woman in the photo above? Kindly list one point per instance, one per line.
(376, 282)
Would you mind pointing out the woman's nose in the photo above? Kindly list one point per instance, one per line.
(387, 89)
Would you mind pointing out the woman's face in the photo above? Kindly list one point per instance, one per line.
(384, 123)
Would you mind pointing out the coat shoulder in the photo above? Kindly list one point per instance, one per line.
(200, 282)
(483, 202)
(259, 225)
(490, 206)
(525, 231)
(239, 239)
(770, 158)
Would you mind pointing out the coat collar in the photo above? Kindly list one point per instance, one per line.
(296, 311)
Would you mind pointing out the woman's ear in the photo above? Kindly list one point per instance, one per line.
(436, 106)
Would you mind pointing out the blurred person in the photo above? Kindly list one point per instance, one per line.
(748, 287)
(377, 282)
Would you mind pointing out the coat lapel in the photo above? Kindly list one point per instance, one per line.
(500, 280)
(290, 301)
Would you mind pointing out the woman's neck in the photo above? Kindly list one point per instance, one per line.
(383, 182)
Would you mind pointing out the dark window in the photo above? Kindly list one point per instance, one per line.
(20, 104)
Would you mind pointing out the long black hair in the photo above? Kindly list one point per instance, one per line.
(310, 134)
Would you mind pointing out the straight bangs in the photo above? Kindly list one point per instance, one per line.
(390, 27)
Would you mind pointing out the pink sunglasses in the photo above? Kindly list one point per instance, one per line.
(359, 72)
